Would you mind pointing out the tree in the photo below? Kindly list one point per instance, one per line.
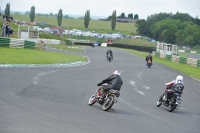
(59, 17)
(51, 14)
(123, 16)
(109, 18)
(27, 13)
(113, 20)
(136, 16)
(141, 27)
(87, 18)
(32, 13)
(16, 13)
(130, 16)
(180, 37)
(7, 10)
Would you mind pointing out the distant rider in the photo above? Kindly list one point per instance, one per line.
(109, 52)
(175, 84)
(149, 57)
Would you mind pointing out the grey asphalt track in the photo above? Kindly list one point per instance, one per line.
(54, 100)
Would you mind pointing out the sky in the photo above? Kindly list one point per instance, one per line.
(143, 8)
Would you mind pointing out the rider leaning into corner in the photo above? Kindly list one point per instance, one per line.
(149, 57)
(114, 82)
(109, 52)
(178, 82)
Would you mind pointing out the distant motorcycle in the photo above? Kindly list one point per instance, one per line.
(174, 100)
(107, 98)
(149, 63)
(109, 58)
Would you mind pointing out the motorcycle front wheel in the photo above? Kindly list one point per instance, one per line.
(108, 103)
(172, 107)
(92, 99)
(159, 102)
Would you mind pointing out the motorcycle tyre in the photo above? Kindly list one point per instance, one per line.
(160, 101)
(91, 102)
(111, 102)
(172, 108)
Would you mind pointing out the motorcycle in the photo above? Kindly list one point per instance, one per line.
(149, 64)
(106, 98)
(174, 100)
(109, 58)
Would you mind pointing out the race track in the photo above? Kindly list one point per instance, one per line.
(54, 99)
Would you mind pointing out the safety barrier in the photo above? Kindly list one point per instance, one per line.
(4, 41)
(178, 59)
(157, 54)
(29, 45)
(16, 43)
(175, 58)
(183, 60)
(198, 63)
(168, 57)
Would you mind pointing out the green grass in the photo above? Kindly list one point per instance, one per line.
(136, 42)
(67, 47)
(184, 68)
(94, 25)
(184, 54)
(25, 56)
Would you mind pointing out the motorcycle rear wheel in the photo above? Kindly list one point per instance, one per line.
(108, 104)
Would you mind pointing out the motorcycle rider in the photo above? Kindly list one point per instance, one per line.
(177, 83)
(109, 52)
(149, 57)
(114, 82)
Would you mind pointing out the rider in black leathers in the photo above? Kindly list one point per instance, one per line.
(114, 81)
(109, 52)
(149, 57)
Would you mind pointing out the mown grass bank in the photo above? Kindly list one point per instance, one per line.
(74, 23)
(184, 68)
(25, 56)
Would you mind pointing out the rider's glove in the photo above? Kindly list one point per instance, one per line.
(99, 84)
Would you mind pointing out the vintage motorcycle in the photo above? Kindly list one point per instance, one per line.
(109, 58)
(104, 97)
(174, 100)
(149, 63)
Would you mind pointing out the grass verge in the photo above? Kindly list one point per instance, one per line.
(25, 56)
(184, 68)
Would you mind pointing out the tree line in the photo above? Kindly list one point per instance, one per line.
(60, 16)
(179, 28)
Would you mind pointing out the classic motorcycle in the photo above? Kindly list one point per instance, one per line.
(109, 58)
(104, 98)
(149, 63)
(174, 100)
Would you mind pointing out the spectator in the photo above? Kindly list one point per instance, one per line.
(3, 29)
(11, 31)
(8, 28)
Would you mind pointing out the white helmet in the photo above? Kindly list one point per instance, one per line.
(179, 79)
(116, 72)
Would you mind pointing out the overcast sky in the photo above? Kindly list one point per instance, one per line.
(105, 8)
